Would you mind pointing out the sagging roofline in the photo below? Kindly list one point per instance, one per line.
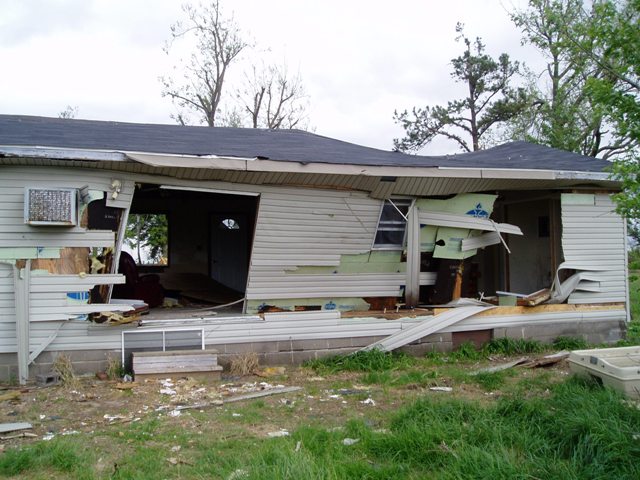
(255, 164)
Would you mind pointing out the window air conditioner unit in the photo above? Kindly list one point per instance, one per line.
(51, 206)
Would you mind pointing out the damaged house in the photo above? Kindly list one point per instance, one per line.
(121, 237)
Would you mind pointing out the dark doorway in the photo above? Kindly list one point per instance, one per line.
(229, 250)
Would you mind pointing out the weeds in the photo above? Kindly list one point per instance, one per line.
(374, 360)
(63, 366)
(513, 346)
(244, 364)
(466, 352)
(498, 346)
(570, 343)
(115, 369)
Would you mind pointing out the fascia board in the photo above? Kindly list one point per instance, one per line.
(62, 153)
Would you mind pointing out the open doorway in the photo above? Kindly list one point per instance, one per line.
(191, 247)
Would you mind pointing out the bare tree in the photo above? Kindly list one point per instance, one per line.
(274, 99)
(218, 44)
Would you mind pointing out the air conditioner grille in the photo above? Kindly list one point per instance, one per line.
(51, 206)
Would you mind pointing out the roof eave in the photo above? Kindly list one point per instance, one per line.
(262, 165)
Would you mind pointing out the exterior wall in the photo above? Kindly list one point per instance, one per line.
(47, 303)
(15, 233)
(303, 238)
(593, 239)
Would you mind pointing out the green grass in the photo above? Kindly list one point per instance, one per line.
(490, 380)
(572, 429)
(580, 431)
(570, 343)
(396, 379)
(66, 457)
(633, 329)
(498, 346)
(374, 360)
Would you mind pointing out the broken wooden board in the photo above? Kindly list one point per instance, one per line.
(547, 360)
(500, 367)
(546, 308)
(240, 398)
(535, 298)
(426, 327)
(12, 395)
(180, 362)
(12, 427)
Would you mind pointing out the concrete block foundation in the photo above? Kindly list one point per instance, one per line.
(295, 352)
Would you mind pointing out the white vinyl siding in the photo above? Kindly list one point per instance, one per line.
(15, 233)
(7, 310)
(593, 236)
(299, 228)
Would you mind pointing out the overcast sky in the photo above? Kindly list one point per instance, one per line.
(359, 60)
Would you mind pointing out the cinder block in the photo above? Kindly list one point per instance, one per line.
(364, 341)
(264, 347)
(238, 348)
(4, 373)
(333, 343)
(333, 352)
(424, 348)
(300, 345)
(47, 380)
(437, 338)
(279, 358)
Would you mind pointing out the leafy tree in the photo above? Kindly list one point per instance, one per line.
(564, 113)
(490, 102)
(615, 39)
(148, 234)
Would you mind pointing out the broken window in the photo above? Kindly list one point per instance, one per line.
(392, 225)
(147, 238)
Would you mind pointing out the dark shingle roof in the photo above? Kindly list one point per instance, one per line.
(281, 145)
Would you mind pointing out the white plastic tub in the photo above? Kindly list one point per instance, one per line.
(618, 368)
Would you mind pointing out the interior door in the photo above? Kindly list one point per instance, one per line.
(229, 250)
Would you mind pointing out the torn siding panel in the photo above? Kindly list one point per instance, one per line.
(303, 229)
(593, 236)
(268, 284)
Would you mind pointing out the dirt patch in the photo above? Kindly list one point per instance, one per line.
(330, 400)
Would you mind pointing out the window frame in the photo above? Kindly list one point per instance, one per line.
(396, 203)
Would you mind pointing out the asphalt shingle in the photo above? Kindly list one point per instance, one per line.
(280, 145)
